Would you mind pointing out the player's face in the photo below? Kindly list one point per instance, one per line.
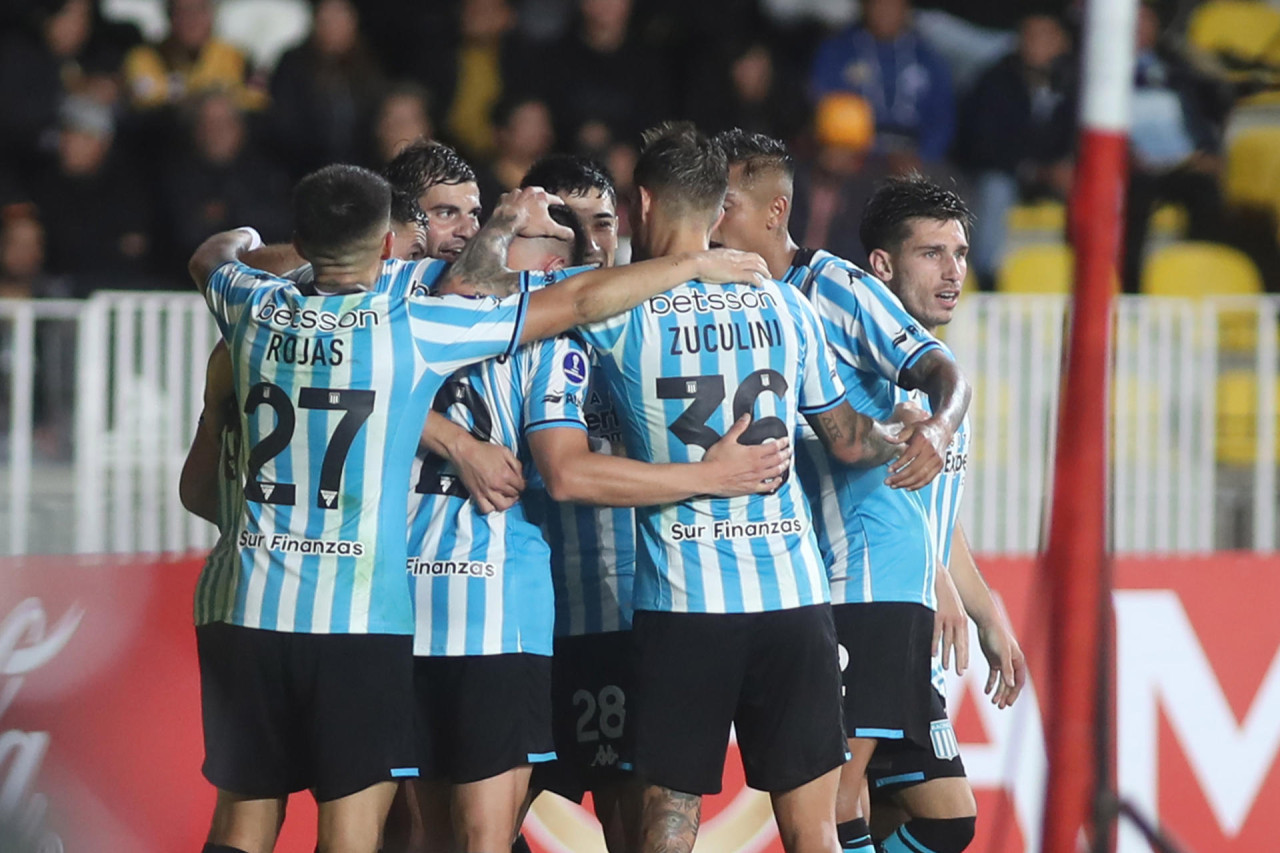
(745, 225)
(453, 218)
(599, 216)
(928, 271)
(410, 243)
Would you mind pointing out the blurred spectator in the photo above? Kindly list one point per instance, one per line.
(324, 92)
(220, 183)
(1017, 128)
(486, 53)
(833, 187)
(602, 83)
(1174, 143)
(403, 116)
(907, 84)
(22, 273)
(66, 48)
(96, 219)
(743, 87)
(189, 61)
(524, 137)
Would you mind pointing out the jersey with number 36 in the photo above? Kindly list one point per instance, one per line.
(683, 366)
(334, 391)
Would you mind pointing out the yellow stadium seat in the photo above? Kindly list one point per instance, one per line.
(1050, 216)
(1169, 221)
(1252, 174)
(1244, 29)
(1037, 269)
(1200, 269)
(1193, 269)
(1237, 427)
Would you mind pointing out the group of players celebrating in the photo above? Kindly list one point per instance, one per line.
(499, 517)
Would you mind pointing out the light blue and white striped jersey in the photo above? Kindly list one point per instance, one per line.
(334, 391)
(683, 366)
(875, 540)
(483, 582)
(211, 586)
(593, 548)
(942, 496)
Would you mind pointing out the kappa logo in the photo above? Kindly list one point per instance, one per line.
(606, 756)
(901, 338)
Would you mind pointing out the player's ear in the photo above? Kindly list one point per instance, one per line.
(646, 201)
(779, 212)
(715, 223)
(554, 263)
(388, 241)
(881, 264)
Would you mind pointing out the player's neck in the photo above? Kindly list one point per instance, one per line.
(332, 279)
(780, 254)
(672, 238)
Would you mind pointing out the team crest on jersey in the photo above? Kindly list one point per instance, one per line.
(945, 746)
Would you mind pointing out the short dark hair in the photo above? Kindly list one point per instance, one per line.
(562, 214)
(426, 163)
(680, 166)
(756, 152)
(405, 208)
(886, 217)
(336, 207)
(570, 174)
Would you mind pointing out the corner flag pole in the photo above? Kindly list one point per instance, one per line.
(1076, 564)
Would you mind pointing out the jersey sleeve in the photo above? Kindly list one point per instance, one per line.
(556, 385)
(455, 331)
(606, 335)
(232, 288)
(536, 280)
(865, 324)
(820, 387)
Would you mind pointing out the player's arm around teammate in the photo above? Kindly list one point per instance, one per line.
(198, 483)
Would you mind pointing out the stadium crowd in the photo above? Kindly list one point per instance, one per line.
(117, 155)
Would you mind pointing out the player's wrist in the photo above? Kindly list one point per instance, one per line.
(255, 239)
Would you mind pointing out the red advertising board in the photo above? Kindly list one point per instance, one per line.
(100, 743)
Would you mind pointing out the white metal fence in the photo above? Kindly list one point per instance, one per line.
(93, 445)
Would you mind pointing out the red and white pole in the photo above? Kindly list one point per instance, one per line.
(1077, 564)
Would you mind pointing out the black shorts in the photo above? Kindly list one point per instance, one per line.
(885, 653)
(899, 764)
(591, 678)
(774, 676)
(284, 712)
(482, 715)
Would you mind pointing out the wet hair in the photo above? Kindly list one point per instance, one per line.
(425, 164)
(887, 216)
(404, 208)
(756, 152)
(570, 174)
(337, 207)
(682, 168)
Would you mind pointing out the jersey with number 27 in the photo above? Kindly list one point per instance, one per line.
(683, 366)
(334, 392)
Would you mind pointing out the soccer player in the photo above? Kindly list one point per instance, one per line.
(588, 189)
(916, 234)
(304, 630)
(444, 186)
(731, 621)
(483, 586)
(872, 528)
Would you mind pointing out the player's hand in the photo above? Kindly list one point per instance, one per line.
(746, 469)
(1008, 665)
(490, 472)
(529, 209)
(907, 413)
(730, 266)
(950, 624)
(922, 456)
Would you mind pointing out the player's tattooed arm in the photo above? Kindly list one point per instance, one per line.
(482, 265)
(669, 821)
(855, 439)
